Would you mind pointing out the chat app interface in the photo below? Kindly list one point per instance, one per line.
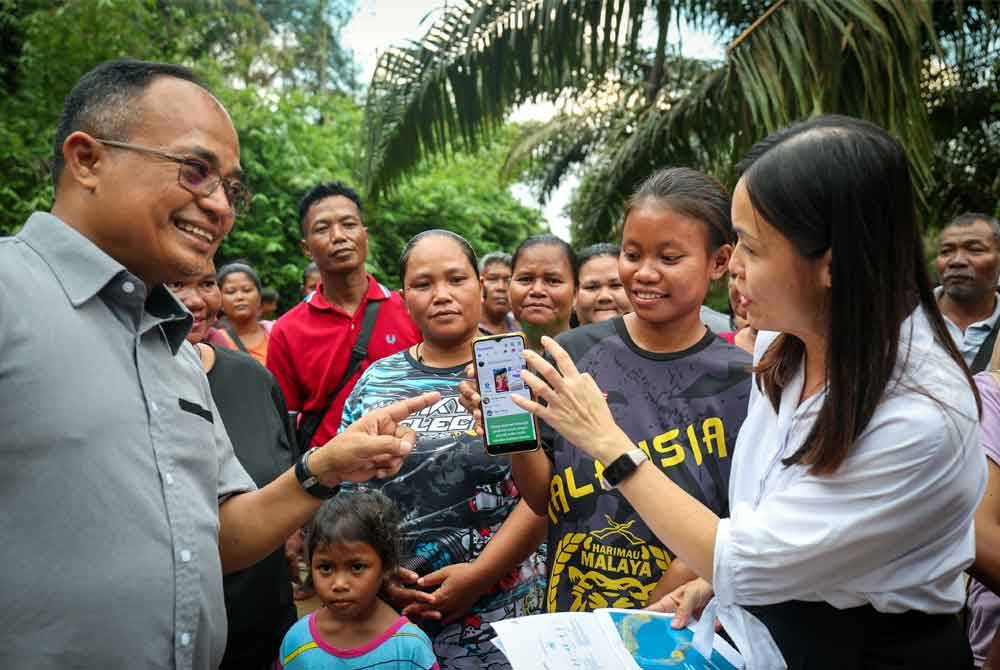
(499, 365)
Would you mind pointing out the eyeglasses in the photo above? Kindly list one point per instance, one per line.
(196, 176)
(493, 279)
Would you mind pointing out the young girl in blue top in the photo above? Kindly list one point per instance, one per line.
(353, 546)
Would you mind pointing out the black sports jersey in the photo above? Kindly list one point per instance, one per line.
(684, 410)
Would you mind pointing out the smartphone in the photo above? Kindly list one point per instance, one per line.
(508, 428)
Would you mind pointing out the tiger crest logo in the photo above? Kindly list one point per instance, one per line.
(604, 575)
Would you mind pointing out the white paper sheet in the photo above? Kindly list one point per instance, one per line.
(563, 641)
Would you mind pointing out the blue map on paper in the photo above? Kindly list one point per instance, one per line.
(654, 644)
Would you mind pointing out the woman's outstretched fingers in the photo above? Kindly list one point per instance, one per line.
(529, 405)
(562, 358)
(537, 385)
(542, 368)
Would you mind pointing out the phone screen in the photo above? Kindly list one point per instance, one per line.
(508, 428)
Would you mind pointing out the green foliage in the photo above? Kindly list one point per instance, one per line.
(284, 151)
(463, 195)
(278, 69)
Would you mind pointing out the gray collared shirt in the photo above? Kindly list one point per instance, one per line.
(115, 460)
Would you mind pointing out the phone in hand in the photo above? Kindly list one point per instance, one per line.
(507, 428)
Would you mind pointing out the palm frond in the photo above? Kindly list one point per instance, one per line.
(853, 57)
(478, 61)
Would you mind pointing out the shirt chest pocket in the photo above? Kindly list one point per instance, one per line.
(185, 432)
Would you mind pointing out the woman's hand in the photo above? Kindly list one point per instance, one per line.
(686, 601)
(470, 399)
(410, 601)
(575, 407)
(459, 586)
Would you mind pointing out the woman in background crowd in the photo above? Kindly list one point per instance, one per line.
(601, 294)
(453, 495)
(543, 286)
(259, 599)
(241, 299)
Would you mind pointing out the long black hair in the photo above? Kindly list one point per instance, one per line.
(843, 185)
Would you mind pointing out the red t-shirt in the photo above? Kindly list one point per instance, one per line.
(310, 347)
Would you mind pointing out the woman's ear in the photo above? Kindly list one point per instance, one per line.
(826, 269)
(719, 261)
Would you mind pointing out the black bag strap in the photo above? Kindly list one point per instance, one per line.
(359, 351)
(985, 353)
(236, 339)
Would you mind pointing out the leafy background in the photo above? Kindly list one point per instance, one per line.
(294, 96)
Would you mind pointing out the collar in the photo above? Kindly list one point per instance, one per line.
(988, 322)
(80, 266)
(175, 319)
(375, 291)
(83, 270)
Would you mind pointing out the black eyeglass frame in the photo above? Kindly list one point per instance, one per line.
(237, 193)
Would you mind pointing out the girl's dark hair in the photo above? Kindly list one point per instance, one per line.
(238, 268)
(547, 239)
(596, 251)
(843, 184)
(470, 255)
(362, 515)
(693, 194)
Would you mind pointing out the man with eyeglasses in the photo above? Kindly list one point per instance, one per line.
(494, 276)
(122, 500)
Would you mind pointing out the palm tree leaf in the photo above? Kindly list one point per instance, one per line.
(478, 61)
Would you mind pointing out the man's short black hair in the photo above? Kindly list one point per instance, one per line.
(322, 192)
(103, 101)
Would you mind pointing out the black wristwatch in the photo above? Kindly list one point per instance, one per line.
(622, 467)
(309, 482)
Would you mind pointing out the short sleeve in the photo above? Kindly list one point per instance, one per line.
(989, 392)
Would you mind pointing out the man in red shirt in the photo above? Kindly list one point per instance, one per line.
(310, 346)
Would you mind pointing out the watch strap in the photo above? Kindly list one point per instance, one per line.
(309, 482)
(622, 467)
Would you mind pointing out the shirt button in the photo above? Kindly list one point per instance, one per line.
(185, 639)
(185, 555)
(168, 478)
(128, 287)
(153, 406)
